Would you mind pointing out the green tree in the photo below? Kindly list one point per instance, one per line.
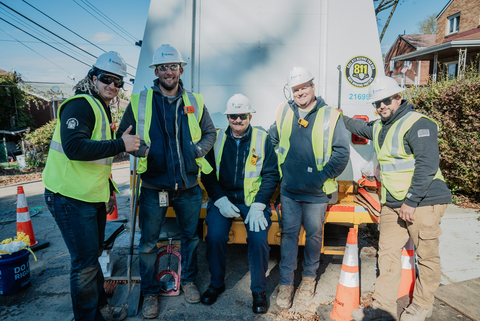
(428, 26)
(12, 104)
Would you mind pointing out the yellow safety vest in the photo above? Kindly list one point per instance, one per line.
(322, 137)
(252, 179)
(142, 110)
(82, 180)
(396, 166)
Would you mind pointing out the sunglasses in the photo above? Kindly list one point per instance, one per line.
(235, 116)
(164, 67)
(386, 101)
(107, 80)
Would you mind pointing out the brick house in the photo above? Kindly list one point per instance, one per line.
(457, 42)
(408, 72)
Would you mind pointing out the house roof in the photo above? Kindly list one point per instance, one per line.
(444, 50)
(420, 41)
(417, 41)
(49, 91)
(3, 72)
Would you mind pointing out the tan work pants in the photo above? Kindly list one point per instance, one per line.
(394, 233)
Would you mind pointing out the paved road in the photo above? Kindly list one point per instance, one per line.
(48, 297)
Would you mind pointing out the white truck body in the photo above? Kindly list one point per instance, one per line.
(250, 46)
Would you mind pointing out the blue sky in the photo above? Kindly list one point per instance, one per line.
(131, 16)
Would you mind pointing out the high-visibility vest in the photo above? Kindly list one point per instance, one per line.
(396, 166)
(82, 180)
(322, 137)
(252, 179)
(142, 110)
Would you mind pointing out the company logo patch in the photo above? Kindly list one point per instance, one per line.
(423, 132)
(360, 71)
(72, 123)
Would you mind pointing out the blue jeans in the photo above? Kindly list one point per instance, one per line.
(82, 226)
(187, 204)
(294, 214)
(217, 238)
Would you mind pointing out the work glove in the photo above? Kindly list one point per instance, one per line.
(110, 205)
(256, 218)
(227, 209)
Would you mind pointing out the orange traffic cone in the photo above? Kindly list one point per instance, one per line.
(347, 298)
(24, 223)
(408, 271)
(114, 215)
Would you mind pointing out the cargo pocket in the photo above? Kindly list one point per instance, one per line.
(428, 243)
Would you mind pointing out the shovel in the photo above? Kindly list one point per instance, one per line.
(128, 295)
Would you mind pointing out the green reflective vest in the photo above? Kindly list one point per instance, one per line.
(142, 110)
(252, 179)
(396, 166)
(322, 137)
(82, 180)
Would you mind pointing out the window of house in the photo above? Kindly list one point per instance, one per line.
(451, 69)
(453, 23)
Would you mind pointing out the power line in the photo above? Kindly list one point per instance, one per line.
(47, 30)
(46, 43)
(100, 20)
(111, 21)
(44, 34)
(68, 72)
(56, 36)
(64, 26)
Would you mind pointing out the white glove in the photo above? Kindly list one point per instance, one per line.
(227, 209)
(256, 218)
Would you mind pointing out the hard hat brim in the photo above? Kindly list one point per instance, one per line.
(182, 64)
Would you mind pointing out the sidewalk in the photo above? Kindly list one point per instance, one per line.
(48, 297)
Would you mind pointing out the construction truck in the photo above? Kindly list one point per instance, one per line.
(249, 47)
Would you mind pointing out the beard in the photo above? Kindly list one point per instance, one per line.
(171, 86)
(385, 119)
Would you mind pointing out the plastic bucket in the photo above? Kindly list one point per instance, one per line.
(14, 272)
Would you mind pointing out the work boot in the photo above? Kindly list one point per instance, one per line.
(414, 312)
(260, 304)
(191, 293)
(150, 306)
(285, 296)
(111, 313)
(371, 315)
(307, 288)
(210, 296)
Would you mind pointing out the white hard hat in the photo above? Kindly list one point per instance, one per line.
(383, 87)
(112, 62)
(167, 54)
(238, 104)
(298, 76)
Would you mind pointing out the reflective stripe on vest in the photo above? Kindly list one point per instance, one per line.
(322, 137)
(396, 166)
(252, 178)
(82, 180)
(142, 110)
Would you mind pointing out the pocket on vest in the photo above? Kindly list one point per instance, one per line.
(157, 157)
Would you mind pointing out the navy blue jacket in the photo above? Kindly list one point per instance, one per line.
(232, 171)
(171, 158)
(301, 180)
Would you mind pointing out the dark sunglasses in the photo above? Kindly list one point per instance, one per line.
(107, 80)
(235, 116)
(164, 67)
(386, 101)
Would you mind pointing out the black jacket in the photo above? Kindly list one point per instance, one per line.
(76, 141)
(232, 171)
(424, 190)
